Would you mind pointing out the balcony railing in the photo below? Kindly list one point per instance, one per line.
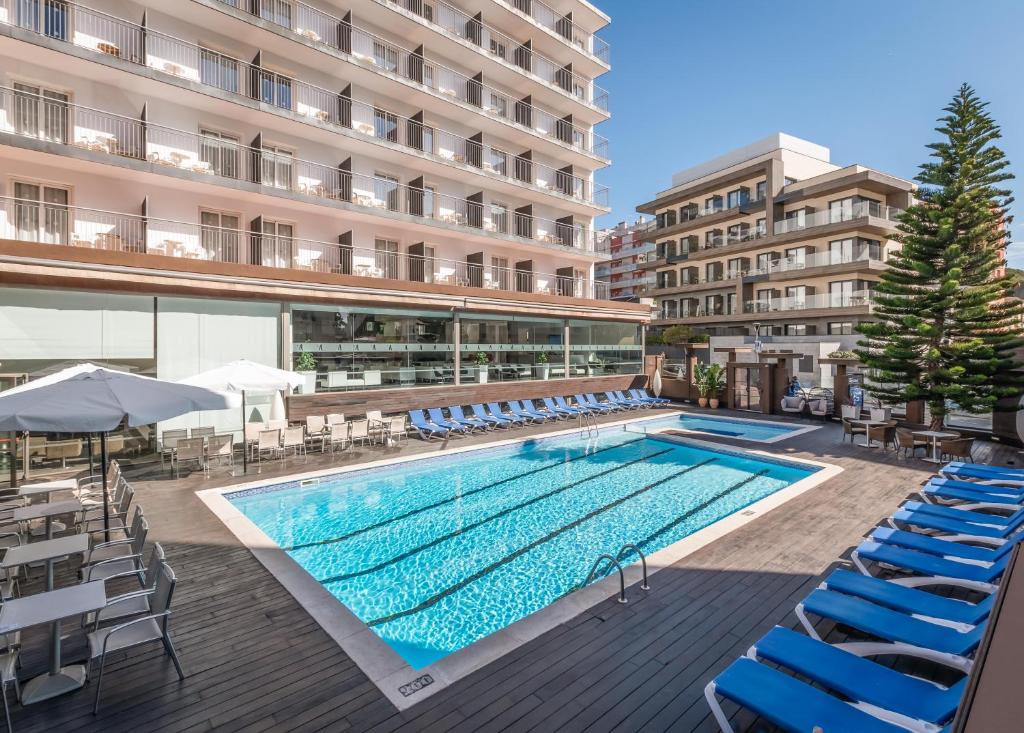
(459, 24)
(562, 26)
(49, 223)
(106, 34)
(654, 226)
(213, 157)
(816, 259)
(809, 302)
(858, 210)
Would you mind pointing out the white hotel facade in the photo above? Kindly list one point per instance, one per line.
(393, 186)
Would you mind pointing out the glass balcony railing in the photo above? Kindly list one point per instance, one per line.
(562, 26)
(857, 210)
(455, 22)
(106, 34)
(852, 299)
(49, 223)
(817, 259)
(212, 157)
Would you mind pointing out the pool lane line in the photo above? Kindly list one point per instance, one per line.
(442, 502)
(480, 522)
(438, 597)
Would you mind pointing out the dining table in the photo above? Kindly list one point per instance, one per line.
(52, 607)
(936, 436)
(867, 424)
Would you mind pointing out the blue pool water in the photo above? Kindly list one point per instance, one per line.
(756, 430)
(437, 553)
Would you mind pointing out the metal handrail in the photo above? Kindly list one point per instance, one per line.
(622, 576)
(643, 560)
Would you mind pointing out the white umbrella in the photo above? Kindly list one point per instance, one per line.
(277, 407)
(89, 399)
(244, 376)
(656, 382)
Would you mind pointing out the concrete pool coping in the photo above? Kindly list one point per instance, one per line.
(397, 680)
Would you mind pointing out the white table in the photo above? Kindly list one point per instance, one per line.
(867, 424)
(936, 436)
(50, 608)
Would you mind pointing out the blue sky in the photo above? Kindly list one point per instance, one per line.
(691, 80)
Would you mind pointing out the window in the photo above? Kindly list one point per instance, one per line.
(730, 304)
(840, 328)
(276, 243)
(41, 213)
(429, 201)
(738, 233)
(218, 70)
(385, 56)
(764, 261)
(499, 161)
(40, 113)
(275, 89)
(276, 167)
(713, 203)
(738, 197)
(47, 16)
(841, 293)
(797, 295)
(796, 257)
(219, 235)
(385, 258)
(385, 126)
(796, 329)
(761, 191)
(735, 266)
(220, 151)
(796, 219)
(276, 11)
(501, 276)
(499, 105)
(499, 217)
(762, 227)
(428, 139)
(840, 251)
(386, 189)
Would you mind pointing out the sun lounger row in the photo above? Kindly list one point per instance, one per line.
(434, 423)
(960, 536)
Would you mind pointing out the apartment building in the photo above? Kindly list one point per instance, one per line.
(403, 189)
(626, 272)
(772, 234)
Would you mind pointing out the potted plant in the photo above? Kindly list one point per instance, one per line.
(305, 365)
(543, 369)
(710, 380)
(482, 361)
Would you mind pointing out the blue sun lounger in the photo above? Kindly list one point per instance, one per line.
(481, 414)
(497, 412)
(933, 492)
(631, 405)
(899, 633)
(564, 411)
(425, 428)
(912, 601)
(471, 422)
(933, 569)
(525, 409)
(593, 406)
(575, 409)
(983, 474)
(939, 546)
(1012, 521)
(593, 402)
(642, 393)
(787, 702)
(858, 679)
(630, 400)
(531, 405)
(957, 529)
(437, 418)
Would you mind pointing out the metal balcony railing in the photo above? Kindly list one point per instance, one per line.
(74, 226)
(106, 34)
(459, 24)
(562, 26)
(212, 156)
(855, 210)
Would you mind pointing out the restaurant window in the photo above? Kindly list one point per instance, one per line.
(511, 348)
(604, 347)
(41, 213)
(362, 349)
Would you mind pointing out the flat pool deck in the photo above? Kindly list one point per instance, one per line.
(256, 661)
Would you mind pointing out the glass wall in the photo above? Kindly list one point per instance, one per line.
(502, 348)
(605, 347)
(357, 349)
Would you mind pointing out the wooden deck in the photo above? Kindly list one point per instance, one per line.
(256, 661)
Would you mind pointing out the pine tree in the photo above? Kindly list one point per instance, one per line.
(947, 328)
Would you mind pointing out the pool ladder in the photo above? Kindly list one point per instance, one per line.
(587, 423)
(617, 563)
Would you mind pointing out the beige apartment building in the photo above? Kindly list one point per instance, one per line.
(773, 234)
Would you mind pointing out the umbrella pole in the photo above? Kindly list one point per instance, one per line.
(88, 442)
(245, 442)
(106, 499)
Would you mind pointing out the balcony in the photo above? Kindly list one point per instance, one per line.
(543, 15)
(31, 221)
(209, 159)
(816, 259)
(654, 229)
(111, 36)
(858, 210)
(855, 299)
(491, 42)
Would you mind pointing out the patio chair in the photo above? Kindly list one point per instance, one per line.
(850, 412)
(117, 507)
(202, 432)
(819, 408)
(360, 431)
(634, 394)
(147, 629)
(593, 402)
(117, 556)
(884, 434)
(189, 449)
(496, 411)
(578, 409)
(316, 431)
(426, 429)
(337, 436)
(984, 578)
(281, 425)
(252, 437)
(630, 405)
(438, 418)
(131, 603)
(9, 663)
(786, 702)
(396, 428)
(294, 439)
(559, 412)
(850, 430)
(957, 448)
(793, 404)
(940, 546)
(219, 448)
(595, 407)
(376, 420)
(533, 407)
(629, 401)
(642, 392)
(269, 442)
(333, 418)
(907, 442)
(525, 410)
(119, 524)
(168, 442)
(471, 422)
(983, 474)
(497, 421)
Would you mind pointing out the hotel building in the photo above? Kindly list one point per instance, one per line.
(403, 189)
(626, 270)
(773, 235)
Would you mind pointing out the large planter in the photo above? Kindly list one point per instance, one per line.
(702, 401)
(713, 402)
(308, 385)
(482, 379)
(542, 371)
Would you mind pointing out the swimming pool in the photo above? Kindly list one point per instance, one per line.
(437, 553)
(758, 431)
